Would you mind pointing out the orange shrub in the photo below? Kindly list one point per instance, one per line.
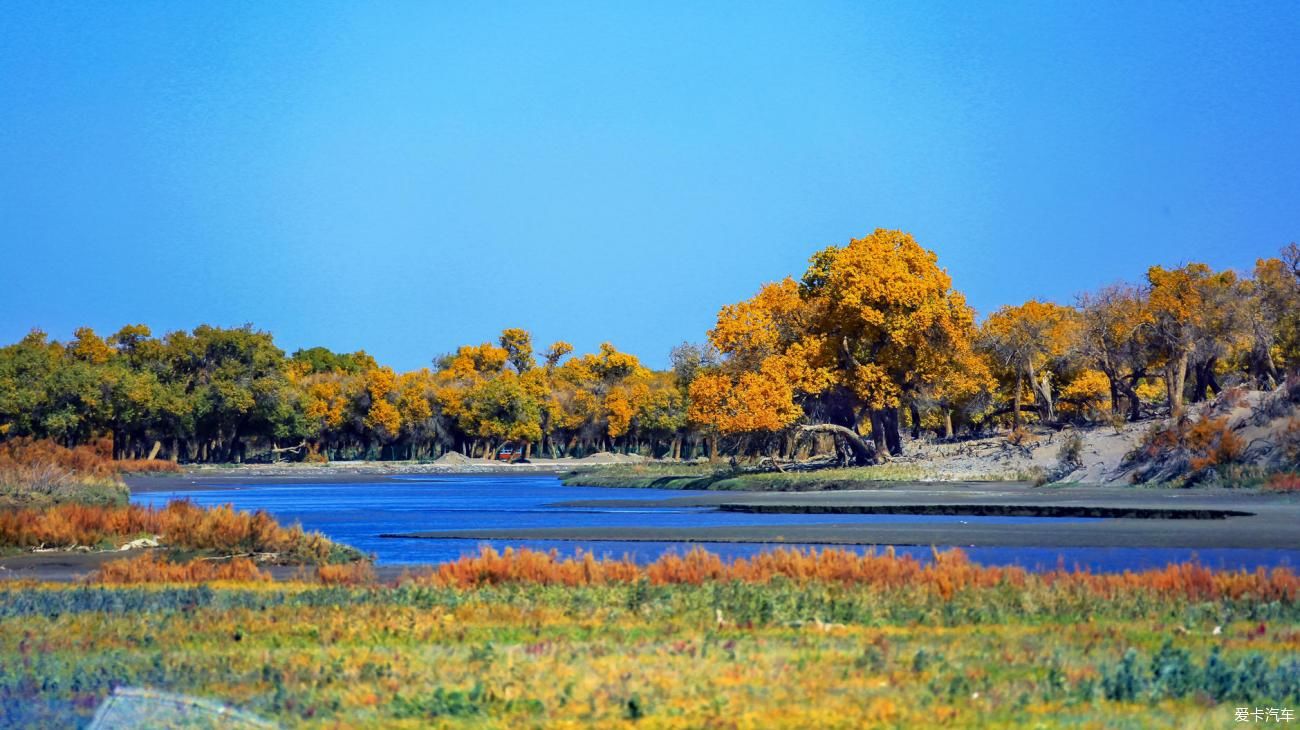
(1291, 441)
(180, 524)
(45, 464)
(1212, 443)
(347, 574)
(29, 461)
(148, 568)
(1283, 483)
(1021, 437)
(1161, 439)
(530, 566)
(1206, 443)
(949, 573)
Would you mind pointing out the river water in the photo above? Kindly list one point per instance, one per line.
(357, 513)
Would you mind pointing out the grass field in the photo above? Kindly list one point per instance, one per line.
(796, 640)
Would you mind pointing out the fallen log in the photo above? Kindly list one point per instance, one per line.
(864, 452)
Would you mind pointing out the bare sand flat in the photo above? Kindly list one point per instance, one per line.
(931, 493)
(1174, 518)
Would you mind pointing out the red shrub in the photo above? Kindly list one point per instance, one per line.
(949, 573)
(1283, 483)
(180, 524)
(148, 568)
(358, 573)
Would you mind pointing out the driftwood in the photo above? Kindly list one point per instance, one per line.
(277, 450)
(864, 452)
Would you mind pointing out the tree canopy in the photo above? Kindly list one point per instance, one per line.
(872, 337)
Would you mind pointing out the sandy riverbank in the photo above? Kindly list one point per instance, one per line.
(354, 472)
(1270, 520)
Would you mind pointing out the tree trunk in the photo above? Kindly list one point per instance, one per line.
(893, 439)
(1015, 405)
(1114, 392)
(878, 431)
(915, 414)
(1129, 387)
(864, 454)
(1268, 371)
(947, 423)
(153, 452)
(1176, 382)
(1205, 380)
(1042, 386)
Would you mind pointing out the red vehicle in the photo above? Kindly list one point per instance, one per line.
(508, 453)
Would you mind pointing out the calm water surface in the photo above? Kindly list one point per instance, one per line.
(358, 513)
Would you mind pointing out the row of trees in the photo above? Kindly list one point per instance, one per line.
(217, 394)
(873, 338)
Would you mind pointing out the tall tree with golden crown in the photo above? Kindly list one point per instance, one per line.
(871, 325)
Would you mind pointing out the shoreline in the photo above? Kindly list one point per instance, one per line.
(1113, 533)
(251, 477)
(1269, 525)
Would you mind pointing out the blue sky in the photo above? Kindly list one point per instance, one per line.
(406, 177)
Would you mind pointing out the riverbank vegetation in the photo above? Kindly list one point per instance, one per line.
(181, 526)
(704, 475)
(871, 343)
(58, 498)
(38, 473)
(787, 639)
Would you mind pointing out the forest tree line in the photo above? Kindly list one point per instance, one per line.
(872, 337)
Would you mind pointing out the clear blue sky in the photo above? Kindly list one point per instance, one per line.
(408, 177)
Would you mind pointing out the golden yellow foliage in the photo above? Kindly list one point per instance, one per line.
(383, 417)
(89, 347)
(747, 402)
(876, 320)
(1088, 390)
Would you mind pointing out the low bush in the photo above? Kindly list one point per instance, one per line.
(42, 472)
(1187, 449)
(181, 524)
(1021, 437)
(1285, 482)
(149, 568)
(1173, 674)
(1212, 443)
(357, 573)
(949, 573)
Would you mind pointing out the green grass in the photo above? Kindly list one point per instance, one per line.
(779, 655)
(721, 477)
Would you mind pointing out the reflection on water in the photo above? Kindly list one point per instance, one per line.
(358, 513)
